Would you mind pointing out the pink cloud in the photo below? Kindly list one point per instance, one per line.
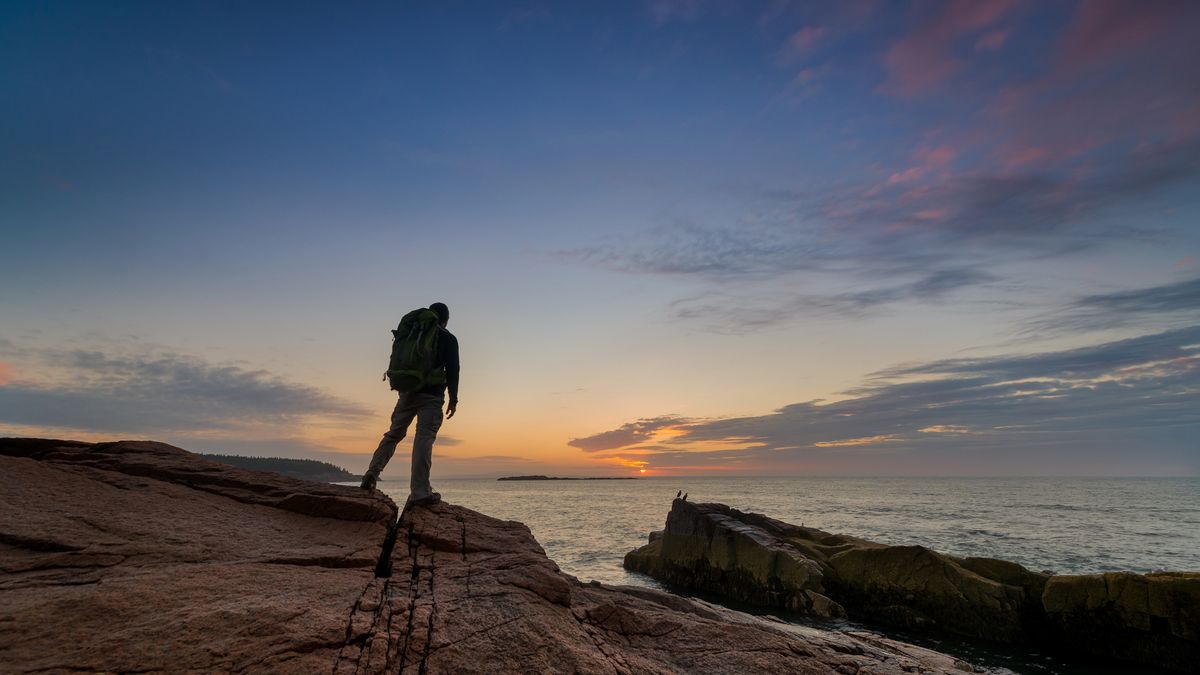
(992, 41)
(923, 59)
(806, 79)
(806, 38)
(936, 157)
(1122, 80)
(928, 160)
(801, 42)
(1015, 158)
(1100, 30)
(907, 176)
(933, 214)
(1185, 262)
(6, 373)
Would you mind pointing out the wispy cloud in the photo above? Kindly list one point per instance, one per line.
(926, 57)
(894, 242)
(1111, 398)
(154, 393)
(1178, 302)
(1054, 160)
(632, 433)
(730, 313)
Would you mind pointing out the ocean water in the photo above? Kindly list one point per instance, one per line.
(1062, 525)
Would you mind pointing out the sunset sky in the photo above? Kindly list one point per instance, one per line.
(690, 237)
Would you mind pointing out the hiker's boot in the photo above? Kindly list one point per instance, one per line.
(368, 482)
(430, 500)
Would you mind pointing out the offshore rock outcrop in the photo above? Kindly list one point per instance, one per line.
(138, 557)
(748, 557)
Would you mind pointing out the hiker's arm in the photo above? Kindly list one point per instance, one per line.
(452, 367)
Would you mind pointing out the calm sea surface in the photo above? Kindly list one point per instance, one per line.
(1064, 525)
(1068, 526)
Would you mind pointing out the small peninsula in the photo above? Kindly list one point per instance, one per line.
(566, 478)
(308, 469)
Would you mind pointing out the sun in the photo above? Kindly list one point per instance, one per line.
(641, 471)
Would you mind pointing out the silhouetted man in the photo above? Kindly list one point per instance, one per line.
(426, 406)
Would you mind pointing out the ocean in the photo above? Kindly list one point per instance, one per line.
(1062, 525)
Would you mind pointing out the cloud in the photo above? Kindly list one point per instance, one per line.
(728, 313)
(897, 240)
(944, 429)
(992, 41)
(1120, 76)
(1032, 161)
(1178, 301)
(628, 434)
(853, 442)
(802, 42)
(156, 393)
(1103, 30)
(1137, 398)
(923, 59)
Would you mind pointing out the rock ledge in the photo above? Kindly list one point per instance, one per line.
(1152, 618)
(137, 556)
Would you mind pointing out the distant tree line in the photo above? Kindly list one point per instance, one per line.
(309, 469)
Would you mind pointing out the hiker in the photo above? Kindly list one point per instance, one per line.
(421, 375)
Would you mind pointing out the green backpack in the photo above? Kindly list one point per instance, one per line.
(414, 349)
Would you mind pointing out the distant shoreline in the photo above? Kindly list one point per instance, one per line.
(308, 469)
(563, 478)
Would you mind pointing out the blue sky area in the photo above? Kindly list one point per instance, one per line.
(676, 237)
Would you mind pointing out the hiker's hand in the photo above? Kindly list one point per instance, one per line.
(451, 409)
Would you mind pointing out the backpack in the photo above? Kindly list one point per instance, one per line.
(414, 349)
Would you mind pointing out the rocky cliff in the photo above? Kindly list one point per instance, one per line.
(141, 557)
(749, 557)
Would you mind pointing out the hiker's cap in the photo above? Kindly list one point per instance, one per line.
(441, 310)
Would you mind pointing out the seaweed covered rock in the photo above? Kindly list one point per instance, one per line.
(1154, 618)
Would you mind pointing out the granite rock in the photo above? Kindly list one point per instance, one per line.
(1153, 618)
(748, 557)
(472, 594)
(140, 557)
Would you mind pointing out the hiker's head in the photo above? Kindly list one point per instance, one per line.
(442, 311)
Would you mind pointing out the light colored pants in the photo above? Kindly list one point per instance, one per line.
(427, 409)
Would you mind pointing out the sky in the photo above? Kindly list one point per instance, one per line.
(686, 237)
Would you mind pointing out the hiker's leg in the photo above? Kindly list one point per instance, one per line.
(402, 416)
(429, 420)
